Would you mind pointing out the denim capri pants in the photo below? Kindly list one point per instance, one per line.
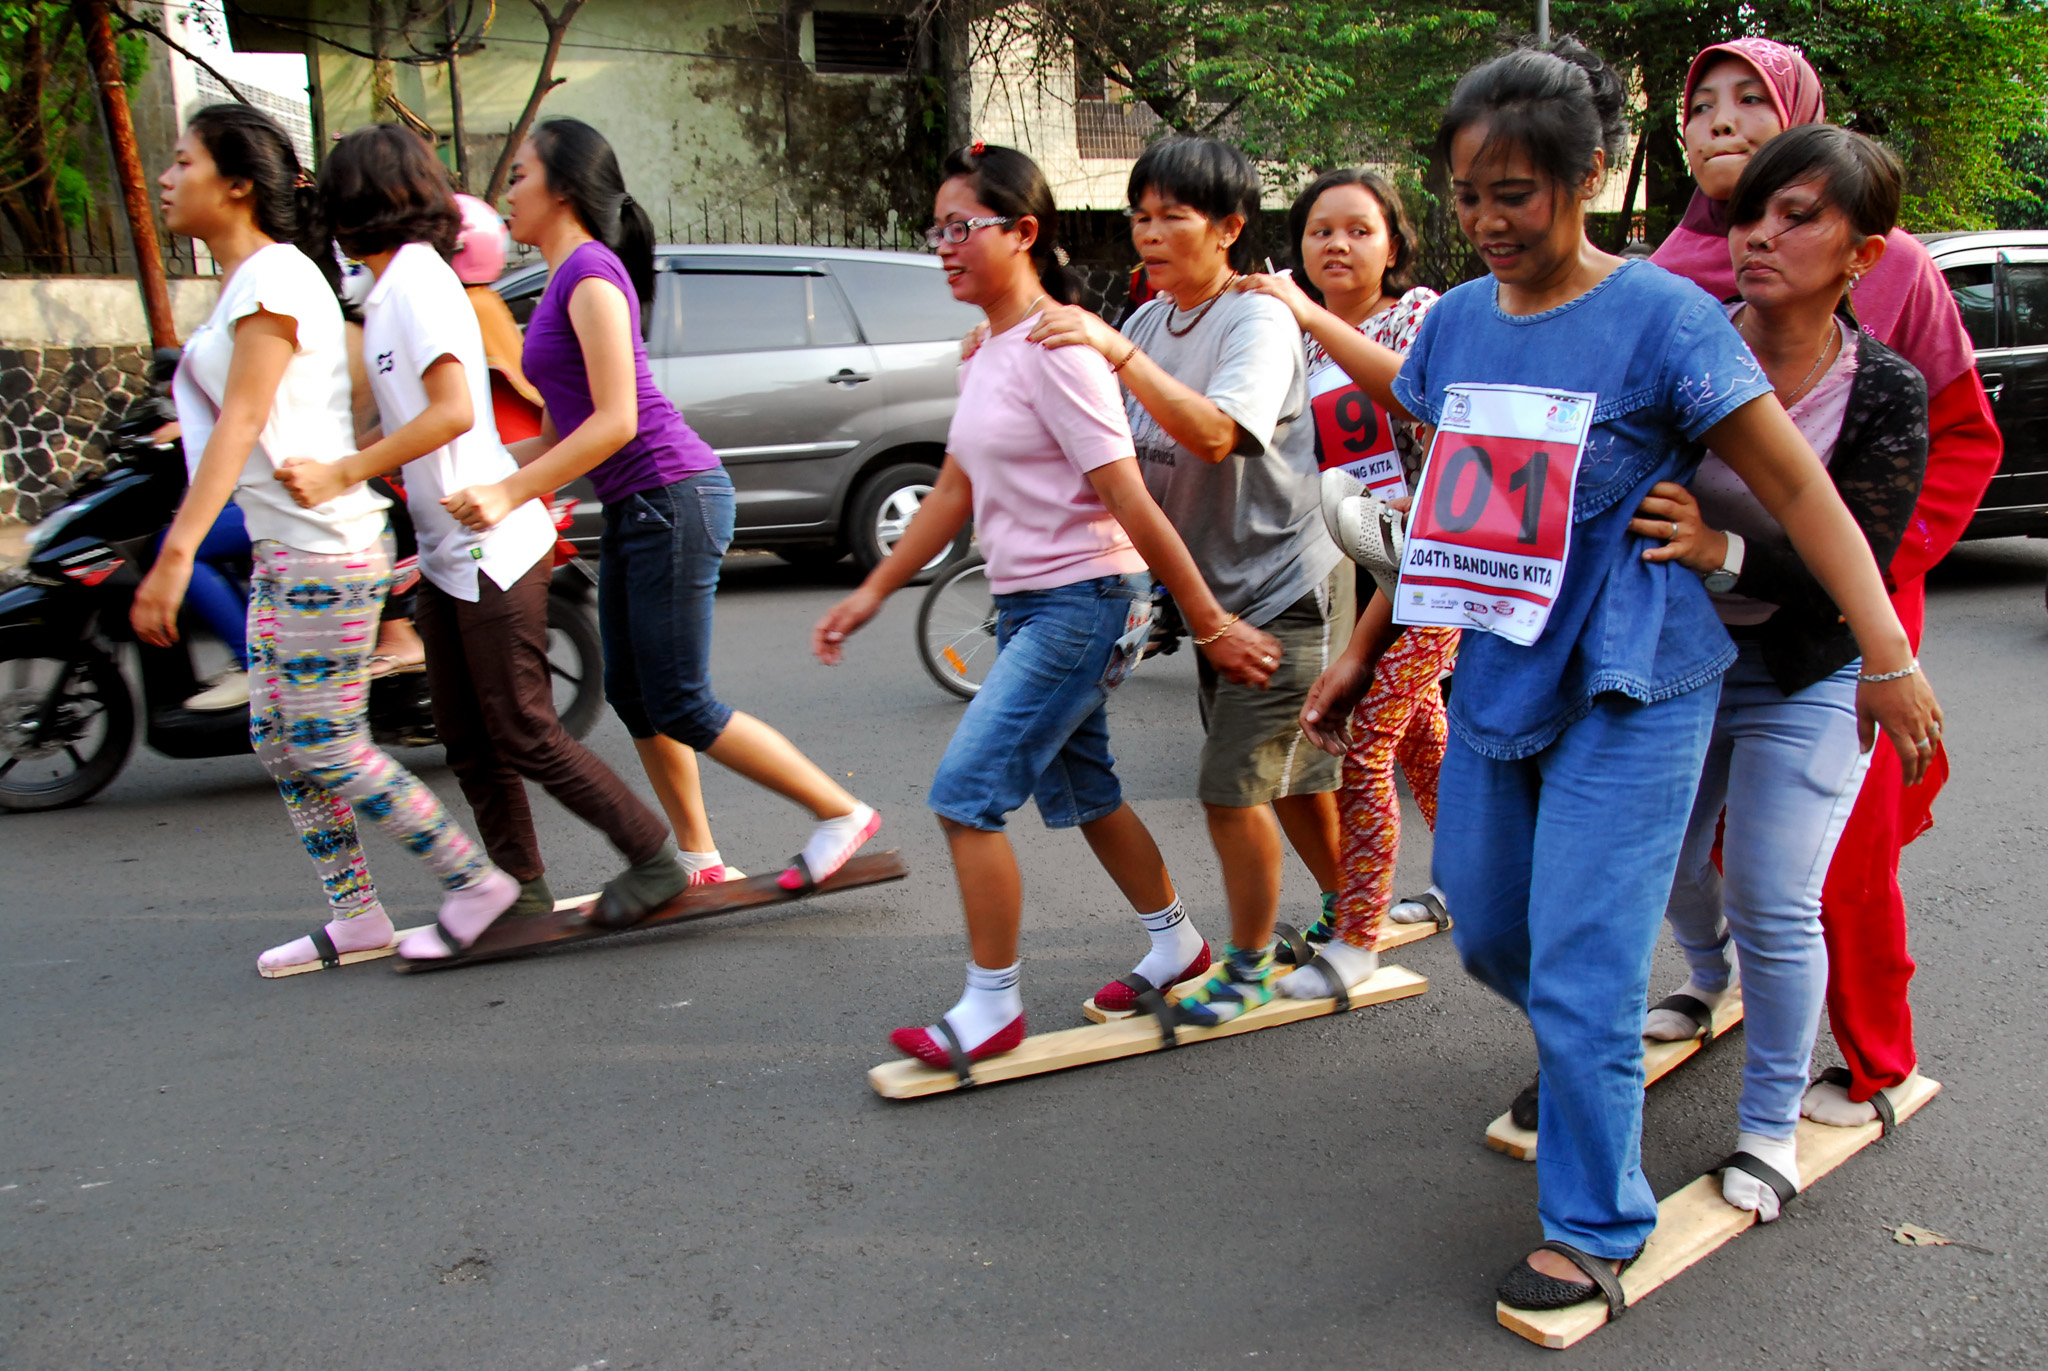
(1039, 726)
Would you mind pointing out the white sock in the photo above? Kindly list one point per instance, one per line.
(694, 862)
(991, 1004)
(1354, 964)
(1745, 1191)
(1670, 1026)
(1416, 912)
(832, 841)
(1175, 943)
(1828, 1103)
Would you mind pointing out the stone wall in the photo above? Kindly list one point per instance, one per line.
(60, 408)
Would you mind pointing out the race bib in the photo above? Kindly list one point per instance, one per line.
(1354, 434)
(1491, 528)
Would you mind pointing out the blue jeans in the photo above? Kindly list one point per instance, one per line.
(1788, 769)
(213, 594)
(1559, 866)
(1039, 726)
(657, 574)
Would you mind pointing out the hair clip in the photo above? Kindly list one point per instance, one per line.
(1059, 254)
(978, 148)
(302, 182)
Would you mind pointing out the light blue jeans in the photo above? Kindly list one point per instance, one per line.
(1559, 867)
(1787, 768)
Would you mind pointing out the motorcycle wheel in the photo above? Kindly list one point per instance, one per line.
(575, 662)
(93, 733)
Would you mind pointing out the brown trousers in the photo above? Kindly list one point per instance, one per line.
(494, 704)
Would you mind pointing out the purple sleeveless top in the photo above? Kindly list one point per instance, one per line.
(665, 449)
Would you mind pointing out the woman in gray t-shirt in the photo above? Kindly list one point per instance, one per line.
(1218, 403)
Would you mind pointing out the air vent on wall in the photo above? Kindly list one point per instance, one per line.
(862, 43)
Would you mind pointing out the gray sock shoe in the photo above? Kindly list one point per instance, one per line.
(639, 890)
(534, 898)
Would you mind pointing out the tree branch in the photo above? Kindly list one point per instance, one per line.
(543, 82)
(130, 24)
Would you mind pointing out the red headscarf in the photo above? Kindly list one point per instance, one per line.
(1903, 302)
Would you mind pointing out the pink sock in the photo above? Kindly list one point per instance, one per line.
(466, 913)
(366, 931)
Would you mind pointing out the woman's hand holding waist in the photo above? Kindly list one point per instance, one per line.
(1670, 513)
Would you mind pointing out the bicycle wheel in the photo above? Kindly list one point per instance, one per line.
(956, 629)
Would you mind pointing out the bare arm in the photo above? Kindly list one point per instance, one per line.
(1369, 364)
(604, 328)
(1240, 652)
(1761, 445)
(448, 415)
(264, 344)
(1189, 417)
(528, 450)
(1326, 716)
(936, 524)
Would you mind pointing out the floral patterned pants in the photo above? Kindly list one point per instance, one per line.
(1401, 719)
(312, 624)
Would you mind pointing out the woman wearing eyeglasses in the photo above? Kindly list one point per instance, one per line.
(1041, 455)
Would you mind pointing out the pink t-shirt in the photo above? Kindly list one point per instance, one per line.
(1032, 422)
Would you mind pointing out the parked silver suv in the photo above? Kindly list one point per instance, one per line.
(824, 377)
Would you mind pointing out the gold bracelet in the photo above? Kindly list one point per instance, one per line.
(1204, 642)
(1119, 367)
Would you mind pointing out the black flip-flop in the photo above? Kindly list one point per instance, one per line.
(1752, 1165)
(1438, 914)
(1687, 1007)
(458, 953)
(1291, 947)
(1151, 1000)
(1529, 1289)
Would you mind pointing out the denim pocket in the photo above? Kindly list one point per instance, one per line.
(642, 510)
(719, 508)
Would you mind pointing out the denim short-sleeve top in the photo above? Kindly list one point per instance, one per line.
(1667, 366)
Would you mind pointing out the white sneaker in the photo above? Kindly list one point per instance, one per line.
(1366, 528)
(229, 690)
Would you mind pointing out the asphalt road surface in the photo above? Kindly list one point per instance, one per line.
(662, 1151)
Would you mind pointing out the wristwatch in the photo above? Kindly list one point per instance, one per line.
(1723, 578)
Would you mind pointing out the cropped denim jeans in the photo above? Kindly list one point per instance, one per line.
(1787, 767)
(1559, 866)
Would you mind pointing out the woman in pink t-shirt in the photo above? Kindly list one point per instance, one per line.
(1040, 454)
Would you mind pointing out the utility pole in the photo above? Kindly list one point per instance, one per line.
(149, 262)
(1542, 23)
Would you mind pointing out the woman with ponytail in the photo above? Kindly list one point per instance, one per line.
(1040, 454)
(668, 512)
(265, 381)
(1571, 383)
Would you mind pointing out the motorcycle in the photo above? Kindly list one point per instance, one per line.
(67, 715)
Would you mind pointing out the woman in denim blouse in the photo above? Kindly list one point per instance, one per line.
(1573, 761)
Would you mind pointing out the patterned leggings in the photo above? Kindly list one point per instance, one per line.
(1401, 719)
(312, 623)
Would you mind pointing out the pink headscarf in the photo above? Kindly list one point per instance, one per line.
(1903, 302)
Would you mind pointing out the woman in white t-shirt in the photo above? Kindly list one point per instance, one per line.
(1040, 454)
(483, 597)
(265, 380)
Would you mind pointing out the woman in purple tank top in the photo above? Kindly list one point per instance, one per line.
(668, 509)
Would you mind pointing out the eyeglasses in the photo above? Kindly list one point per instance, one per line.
(956, 231)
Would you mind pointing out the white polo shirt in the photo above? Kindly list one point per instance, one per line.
(310, 416)
(416, 314)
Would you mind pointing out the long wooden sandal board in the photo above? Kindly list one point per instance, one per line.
(1660, 1059)
(1043, 1052)
(1696, 1221)
(378, 953)
(515, 937)
(1393, 935)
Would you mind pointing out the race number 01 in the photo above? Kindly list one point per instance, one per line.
(1529, 479)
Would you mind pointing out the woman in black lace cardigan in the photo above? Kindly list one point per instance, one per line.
(1808, 218)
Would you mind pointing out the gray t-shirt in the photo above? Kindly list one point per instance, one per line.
(1253, 521)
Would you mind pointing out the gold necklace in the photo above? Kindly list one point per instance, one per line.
(1200, 314)
(1826, 343)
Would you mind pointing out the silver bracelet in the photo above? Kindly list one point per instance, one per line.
(1881, 677)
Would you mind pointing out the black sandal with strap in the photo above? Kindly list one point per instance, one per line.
(1291, 947)
(1752, 1165)
(1686, 1006)
(1339, 991)
(956, 1054)
(330, 955)
(1438, 914)
(1152, 1001)
(1527, 1288)
(1887, 1117)
(1522, 1113)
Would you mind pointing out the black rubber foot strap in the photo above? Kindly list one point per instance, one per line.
(1437, 913)
(1887, 1117)
(1151, 1001)
(1597, 1271)
(1297, 946)
(330, 955)
(1752, 1165)
(1340, 992)
(1696, 1010)
(803, 868)
(957, 1054)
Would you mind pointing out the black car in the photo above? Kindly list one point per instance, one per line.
(2000, 282)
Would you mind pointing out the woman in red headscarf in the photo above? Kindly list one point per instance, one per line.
(1738, 96)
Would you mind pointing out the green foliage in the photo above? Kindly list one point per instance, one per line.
(2027, 207)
